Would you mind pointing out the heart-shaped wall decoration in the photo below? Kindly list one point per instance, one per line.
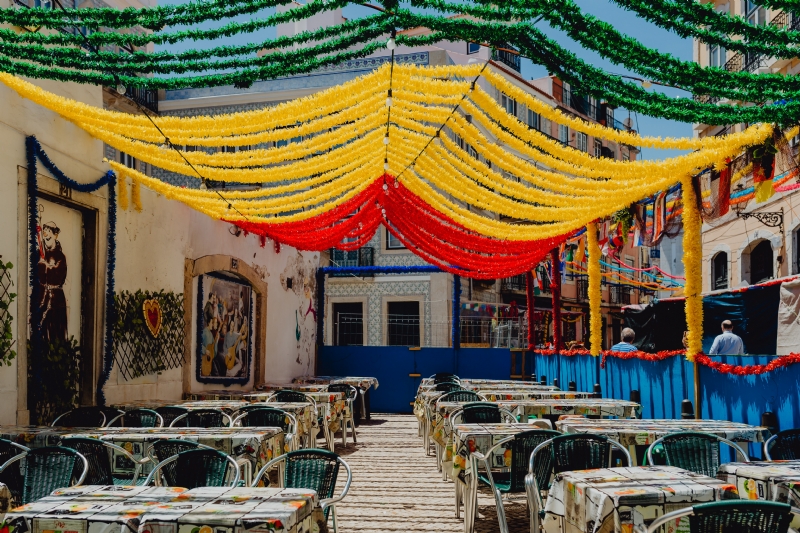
(152, 316)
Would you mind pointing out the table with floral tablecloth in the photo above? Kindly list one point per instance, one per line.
(361, 382)
(630, 432)
(626, 499)
(216, 395)
(252, 447)
(533, 394)
(765, 480)
(229, 406)
(97, 508)
(332, 405)
(602, 407)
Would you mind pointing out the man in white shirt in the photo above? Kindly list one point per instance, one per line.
(728, 343)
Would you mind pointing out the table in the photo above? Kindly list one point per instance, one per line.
(498, 396)
(333, 405)
(361, 383)
(764, 480)
(96, 509)
(603, 407)
(251, 447)
(229, 406)
(621, 499)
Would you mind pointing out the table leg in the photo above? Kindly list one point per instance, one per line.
(366, 407)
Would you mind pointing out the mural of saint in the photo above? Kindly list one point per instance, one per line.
(52, 274)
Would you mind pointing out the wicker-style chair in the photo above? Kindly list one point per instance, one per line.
(98, 453)
(47, 469)
(170, 413)
(138, 418)
(202, 467)
(460, 395)
(521, 446)
(164, 449)
(91, 416)
(456, 395)
(694, 451)
(287, 395)
(481, 413)
(783, 446)
(203, 418)
(293, 396)
(741, 516)
(12, 477)
(350, 396)
(269, 417)
(447, 386)
(312, 469)
(444, 376)
(579, 451)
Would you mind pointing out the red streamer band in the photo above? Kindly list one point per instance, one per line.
(748, 370)
(435, 237)
(644, 356)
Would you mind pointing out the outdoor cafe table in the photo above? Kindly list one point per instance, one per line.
(361, 383)
(626, 499)
(331, 404)
(551, 407)
(98, 509)
(764, 480)
(252, 446)
(643, 432)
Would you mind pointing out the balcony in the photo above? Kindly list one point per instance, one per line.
(362, 257)
(619, 295)
(583, 289)
(507, 58)
(705, 99)
(786, 21)
(514, 283)
(745, 62)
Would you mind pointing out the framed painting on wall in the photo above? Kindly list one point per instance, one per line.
(224, 329)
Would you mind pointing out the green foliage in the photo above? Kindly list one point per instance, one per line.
(624, 217)
(6, 299)
(136, 351)
(58, 369)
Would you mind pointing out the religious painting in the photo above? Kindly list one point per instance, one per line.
(59, 230)
(225, 329)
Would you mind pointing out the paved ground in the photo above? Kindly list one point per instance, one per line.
(396, 487)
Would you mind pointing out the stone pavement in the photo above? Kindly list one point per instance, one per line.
(396, 487)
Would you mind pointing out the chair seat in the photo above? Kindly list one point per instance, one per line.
(502, 480)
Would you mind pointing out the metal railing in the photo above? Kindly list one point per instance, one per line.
(619, 295)
(364, 256)
(507, 58)
(583, 289)
(514, 283)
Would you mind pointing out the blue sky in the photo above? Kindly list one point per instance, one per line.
(649, 34)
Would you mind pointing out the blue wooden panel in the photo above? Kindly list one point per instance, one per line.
(486, 363)
(663, 385)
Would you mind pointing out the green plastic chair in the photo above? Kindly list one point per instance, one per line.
(164, 449)
(138, 418)
(269, 417)
(12, 477)
(783, 446)
(522, 446)
(734, 516)
(350, 396)
(693, 451)
(578, 451)
(98, 453)
(203, 418)
(293, 396)
(90, 416)
(202, 467)
(481, 413)
(447, 386)
(444, 376)
(170, 413)
(47, 469)
(313, 469)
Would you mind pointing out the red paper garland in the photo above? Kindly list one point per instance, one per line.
(748, 370)
(644, 356)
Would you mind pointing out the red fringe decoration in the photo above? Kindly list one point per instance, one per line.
(748, 370)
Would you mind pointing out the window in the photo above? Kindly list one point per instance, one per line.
(598, 148)
(582, 142)
(473, 152)
(795, 245)
(348, 324)
(509, 104)
(716, 56)
(459, 141)
(625, 153)
(392, 242)
(563, 134)
(533, 119)
(754, 13)
(234, 149)
(761, 262)
(473, 48)
(128, 160)
(45, 4)
(402, 324)
(719, 272)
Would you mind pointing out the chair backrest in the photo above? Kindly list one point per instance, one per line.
(170, 413)
(140, 418)
(12, 477)
(350, 392)
(49, 468)
(444, 376)
(739, 516)
(289, 396)
(163, 449)
(266, 416)
(97, 454)
(461, 396)
(89, 417)
(694, 451)
(481, 413)
(312, 469)
(580, 451)
(783, 446)
(522, 447)
(447, 386)
(203, 418)
(201, 467)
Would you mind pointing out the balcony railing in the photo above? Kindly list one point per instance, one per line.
(355, 258)
(744, 62)
(583, 289)
(507, 58)
(784, 20)
(706, 99)
(619, 295)
(514, 283)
